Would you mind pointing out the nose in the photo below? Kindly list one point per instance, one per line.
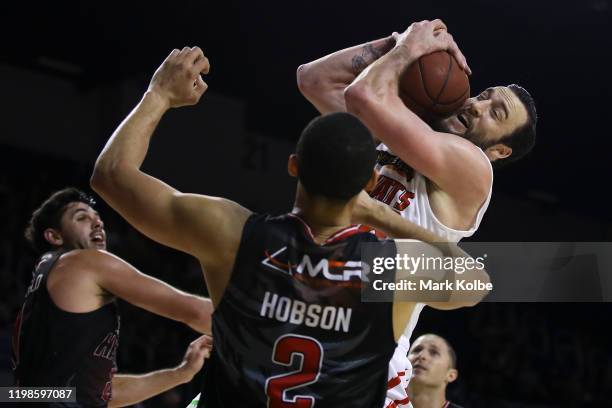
(476, 107)
(98, 222)
(421, 356)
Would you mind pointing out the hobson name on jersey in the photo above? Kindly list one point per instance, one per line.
(285, 309)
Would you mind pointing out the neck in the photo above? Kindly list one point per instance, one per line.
(324, 216)
(434, 397)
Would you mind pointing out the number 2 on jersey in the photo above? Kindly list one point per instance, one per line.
(285, 349)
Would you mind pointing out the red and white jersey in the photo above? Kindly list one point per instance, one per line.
(406, 191)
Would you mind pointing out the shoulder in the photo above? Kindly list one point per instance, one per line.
(87, 260)
(468, 175)
(473, 157)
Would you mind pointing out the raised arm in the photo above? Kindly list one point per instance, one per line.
(323, 81)
(207, 227)
(129, 389)
(453, 163)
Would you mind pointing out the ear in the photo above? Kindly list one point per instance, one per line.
(371, 182)
(53, 237)
(292, 166)
(498, 151)
(452, 375)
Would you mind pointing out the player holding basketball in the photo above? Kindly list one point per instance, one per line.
(286, 289)
(440, 176)
(67, 332)
(435, 366)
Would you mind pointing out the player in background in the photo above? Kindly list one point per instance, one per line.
(283, 287)
(434, 363)
(437, 175)
(67, 332)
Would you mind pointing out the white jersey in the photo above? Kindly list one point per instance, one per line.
(406, 192)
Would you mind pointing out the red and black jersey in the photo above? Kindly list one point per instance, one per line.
(56, 348)
(291, 329)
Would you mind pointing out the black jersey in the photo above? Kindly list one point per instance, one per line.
(291, 330)
(55, 348)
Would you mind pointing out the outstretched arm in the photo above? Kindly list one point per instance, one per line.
(107, 273)
(323, 81)
(381, 217)
(453, 163)
(207, 227)
(130, 389)
(371, 212)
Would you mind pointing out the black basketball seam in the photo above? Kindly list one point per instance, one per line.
(448, 74)
(423, 82)
(455, 100)
(424, 108)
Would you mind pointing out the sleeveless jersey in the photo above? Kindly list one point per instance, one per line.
(56, 348)
(405, 190)
(291, 329)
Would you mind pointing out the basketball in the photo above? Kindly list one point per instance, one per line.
(434, 86)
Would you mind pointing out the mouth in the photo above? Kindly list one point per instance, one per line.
(418, 367)
(98, 238)
(462, 118)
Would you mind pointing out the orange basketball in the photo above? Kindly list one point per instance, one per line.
(435, 86)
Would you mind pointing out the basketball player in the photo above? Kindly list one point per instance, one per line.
(434, 365)
(289, 325)
(438, 177)
(67, 332)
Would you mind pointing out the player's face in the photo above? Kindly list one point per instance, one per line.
(82, 228)
(487, 118)
(431, 363)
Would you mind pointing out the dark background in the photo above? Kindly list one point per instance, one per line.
(545, 355)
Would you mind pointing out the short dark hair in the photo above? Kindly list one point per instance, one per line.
(335, 156)
(522, 139)
(49, 215)
(451, 353)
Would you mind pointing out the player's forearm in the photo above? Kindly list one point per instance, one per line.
(127, 147)
(200, 319)
(383, 218)
(379, 81)
(467, 271)
(323, 81)
(192, 310)
(374, 98)
(131, 389)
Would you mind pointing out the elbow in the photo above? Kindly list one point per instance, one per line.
(308, 82)
(105, 175)
(484, 288)
(358, 98)
(200, 318)
(99, 178)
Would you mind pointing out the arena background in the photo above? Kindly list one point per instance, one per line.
(70, 72)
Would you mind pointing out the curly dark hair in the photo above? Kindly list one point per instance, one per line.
(49, 215)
